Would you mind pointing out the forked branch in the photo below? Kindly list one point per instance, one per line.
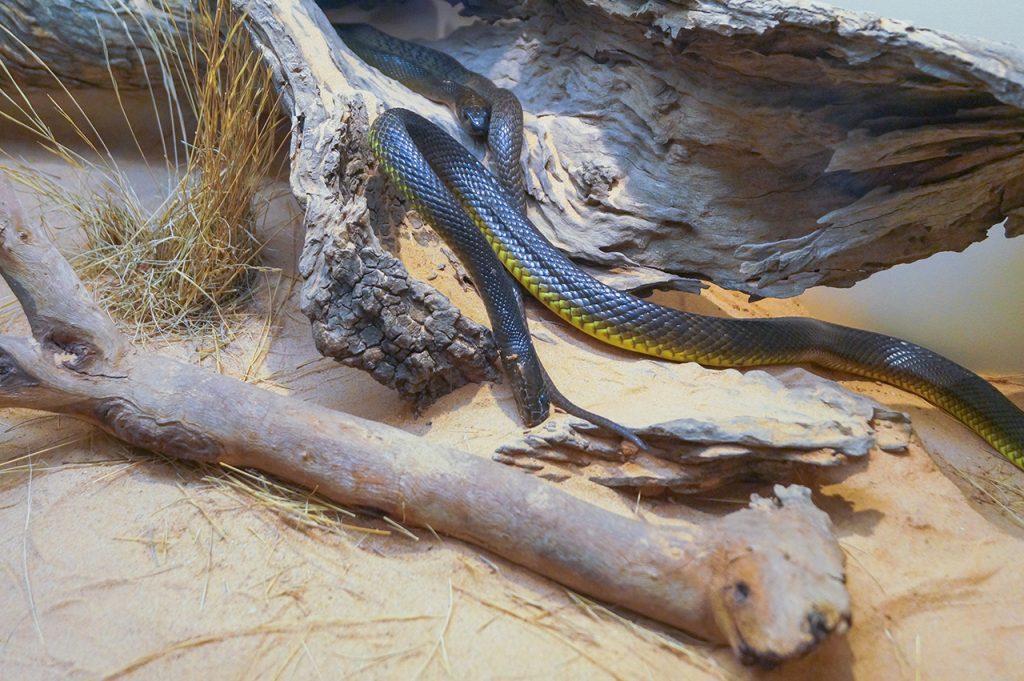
(63, 316)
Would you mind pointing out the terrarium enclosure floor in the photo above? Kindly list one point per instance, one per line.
(116, 565)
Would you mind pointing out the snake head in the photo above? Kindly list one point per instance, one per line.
(778, 589)
(475, 118)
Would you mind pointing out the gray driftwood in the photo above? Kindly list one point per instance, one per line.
(354, 284)
(737, 427)
(766, 146)
(767, 579)
(88, 43)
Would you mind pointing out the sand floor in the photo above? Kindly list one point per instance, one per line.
(116, 564)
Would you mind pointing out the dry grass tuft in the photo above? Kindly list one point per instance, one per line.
(302, 507)
(179, 268)
(692, 650)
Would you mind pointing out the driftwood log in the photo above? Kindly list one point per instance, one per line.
(353, 284)
(765, 146)
(92, 43)
(768, 579)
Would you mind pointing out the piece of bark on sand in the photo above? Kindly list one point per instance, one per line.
(768, 579)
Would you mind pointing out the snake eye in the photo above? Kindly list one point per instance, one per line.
(476, 120)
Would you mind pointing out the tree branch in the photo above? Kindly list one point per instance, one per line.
(83, 43)
(63, 316)
(768, 579)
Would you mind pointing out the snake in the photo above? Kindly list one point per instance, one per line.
(483, 218)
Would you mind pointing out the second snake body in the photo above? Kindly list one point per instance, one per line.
(457, 195)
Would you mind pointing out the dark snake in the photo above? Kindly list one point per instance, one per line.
(481, 218)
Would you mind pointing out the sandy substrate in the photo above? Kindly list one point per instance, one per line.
(120, 565)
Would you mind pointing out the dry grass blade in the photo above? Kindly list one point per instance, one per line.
(690, 649)
(182, 267)
(300, 506)
(303, 626)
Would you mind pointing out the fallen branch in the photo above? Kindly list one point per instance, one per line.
(768, 579)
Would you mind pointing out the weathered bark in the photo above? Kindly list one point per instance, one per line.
(798, 423)
(83, 42)
(765, 146)
(769, 579)
(367, 311)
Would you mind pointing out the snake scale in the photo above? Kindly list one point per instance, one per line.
(481, 217)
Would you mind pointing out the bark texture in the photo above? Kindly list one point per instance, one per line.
(766, 146)
(768, 579)
(366, 309)
(90, 43)
(730, 427)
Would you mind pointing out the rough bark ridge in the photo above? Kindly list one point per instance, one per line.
(365, 308)
(769, 579)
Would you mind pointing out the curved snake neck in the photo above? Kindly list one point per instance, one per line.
(482, 219)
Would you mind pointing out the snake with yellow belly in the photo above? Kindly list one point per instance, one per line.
(484, 220)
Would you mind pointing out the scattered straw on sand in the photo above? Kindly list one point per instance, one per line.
(283, 627)
(302, 507)
(1005, 491)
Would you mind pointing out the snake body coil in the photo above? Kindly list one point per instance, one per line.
(456, 194)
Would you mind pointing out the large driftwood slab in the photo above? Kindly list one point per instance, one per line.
(345, 265)
(767, 146)
(769, 579)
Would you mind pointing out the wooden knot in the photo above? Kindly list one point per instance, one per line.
(127, 422)
(12, 375)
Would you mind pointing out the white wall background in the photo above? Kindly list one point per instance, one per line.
(968, 306)
(1001, 20)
